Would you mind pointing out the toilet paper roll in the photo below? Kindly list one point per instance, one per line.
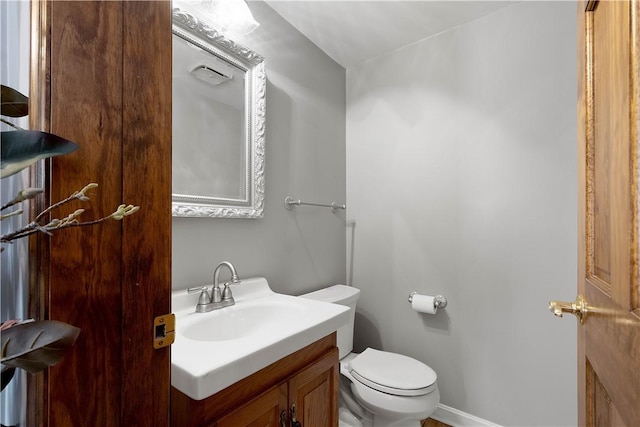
(424, 304)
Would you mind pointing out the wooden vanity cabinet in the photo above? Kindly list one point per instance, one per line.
(307, 379)
(264, 410)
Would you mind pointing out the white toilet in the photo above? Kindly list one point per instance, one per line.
(378, 388)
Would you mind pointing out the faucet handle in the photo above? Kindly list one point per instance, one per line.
(227, 296)
(204, 294)
(226, 292)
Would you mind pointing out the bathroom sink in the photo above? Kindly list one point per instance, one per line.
(244, 320)
(216, 349)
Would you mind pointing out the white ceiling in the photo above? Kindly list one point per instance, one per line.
(352, 31)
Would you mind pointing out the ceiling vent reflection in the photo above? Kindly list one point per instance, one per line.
(209, 75)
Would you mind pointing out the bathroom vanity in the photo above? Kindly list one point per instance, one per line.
(306, 380)
(267, 360)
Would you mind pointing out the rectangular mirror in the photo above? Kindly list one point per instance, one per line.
(218, 123)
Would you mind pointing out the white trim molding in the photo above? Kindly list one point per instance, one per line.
(456, 418)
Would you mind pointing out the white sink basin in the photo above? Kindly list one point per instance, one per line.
(216, 349)
(242, 321)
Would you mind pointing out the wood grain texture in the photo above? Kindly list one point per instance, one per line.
(146, 236)
(430, 422)
(186, 412)
(609, 340)
(612, 348)
(86, 268)
(611, 148)
(262, 411)
(313, 391)
(105, 74)
(39, 255)
(585, 188)
(635, 154)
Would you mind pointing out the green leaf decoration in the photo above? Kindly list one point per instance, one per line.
(13, 103)
(35, 346)
(22, 148)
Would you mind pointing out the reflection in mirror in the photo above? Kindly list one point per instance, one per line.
(218, 123)
(208, 107)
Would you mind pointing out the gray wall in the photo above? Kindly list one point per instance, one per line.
(296, 250)
(461, 181)
(461, 178)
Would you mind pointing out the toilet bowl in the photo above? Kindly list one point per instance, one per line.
(378, 388)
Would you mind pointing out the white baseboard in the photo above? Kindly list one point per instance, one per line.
(455, 418)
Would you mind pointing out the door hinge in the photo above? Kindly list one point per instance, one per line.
(164, 328)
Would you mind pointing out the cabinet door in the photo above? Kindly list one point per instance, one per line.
(263, 411)
(314, 392)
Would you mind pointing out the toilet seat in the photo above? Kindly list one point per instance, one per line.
(392, 373)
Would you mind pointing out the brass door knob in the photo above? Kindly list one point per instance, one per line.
(578, 308)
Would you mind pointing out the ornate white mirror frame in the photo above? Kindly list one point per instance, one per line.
(249, 204)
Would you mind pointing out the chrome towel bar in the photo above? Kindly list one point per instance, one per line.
(290, 202)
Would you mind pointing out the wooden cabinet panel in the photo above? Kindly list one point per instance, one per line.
(263, 411)
(312, 391)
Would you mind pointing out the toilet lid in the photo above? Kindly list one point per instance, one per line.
(393, 373)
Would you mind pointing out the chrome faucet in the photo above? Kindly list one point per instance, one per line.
(225, 297)
(218, 298)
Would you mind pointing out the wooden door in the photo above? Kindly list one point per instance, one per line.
(313, 391)
(608, 115)
(264, 411)
(102, 78)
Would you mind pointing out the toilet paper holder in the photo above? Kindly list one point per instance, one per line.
(438, 301)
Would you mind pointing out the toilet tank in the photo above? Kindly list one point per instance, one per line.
(343, 295)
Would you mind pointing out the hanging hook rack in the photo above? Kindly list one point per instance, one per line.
(290, 202)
